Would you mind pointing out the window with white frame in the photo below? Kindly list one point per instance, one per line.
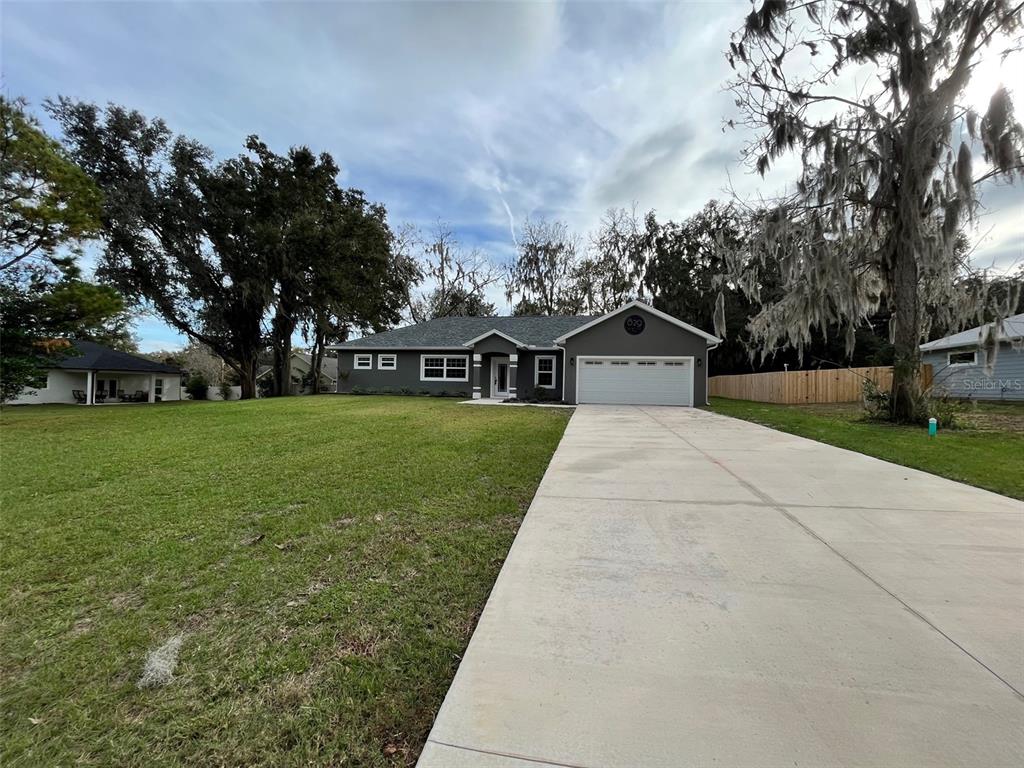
(444, 368)
(387, 362)
(363, 362)
(544, 371)
(963, 358)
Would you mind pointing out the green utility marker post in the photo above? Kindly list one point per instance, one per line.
(933, 427)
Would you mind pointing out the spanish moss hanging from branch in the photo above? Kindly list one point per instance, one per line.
(891, 165)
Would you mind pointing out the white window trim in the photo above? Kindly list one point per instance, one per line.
(423, 359)
(951, 364)
(368, 358)
(536, 371)
(394, 362)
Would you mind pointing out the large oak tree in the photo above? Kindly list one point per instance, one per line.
(237, 253)
(183, 237)
(890, 168)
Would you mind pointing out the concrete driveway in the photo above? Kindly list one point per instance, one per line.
(693, 590)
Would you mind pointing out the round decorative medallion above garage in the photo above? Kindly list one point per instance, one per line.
(635, 325)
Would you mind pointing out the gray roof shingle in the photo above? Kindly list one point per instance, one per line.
(1011, 330)
(95, 357)
(533, 331)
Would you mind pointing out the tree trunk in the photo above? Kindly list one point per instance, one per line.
(917, 152)
(247, 379)
(906, 383)
(282, 327)
(317, 357)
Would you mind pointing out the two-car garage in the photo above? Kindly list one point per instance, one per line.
(633, 380)
(636, 355)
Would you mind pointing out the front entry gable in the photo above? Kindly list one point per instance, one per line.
(494, 342)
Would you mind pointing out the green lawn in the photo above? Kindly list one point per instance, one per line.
(324, 560)
(988, 453)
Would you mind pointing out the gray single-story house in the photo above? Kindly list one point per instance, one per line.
(91, 373)
(958, 362)
(634, 355)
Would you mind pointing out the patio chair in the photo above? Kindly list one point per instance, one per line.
(121, 395)
(99, 397)
(139, 396)
(79, 396)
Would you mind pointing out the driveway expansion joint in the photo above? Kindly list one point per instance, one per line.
(510, 755)
(748, 503)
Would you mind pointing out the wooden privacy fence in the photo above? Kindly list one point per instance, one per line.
(838, 385)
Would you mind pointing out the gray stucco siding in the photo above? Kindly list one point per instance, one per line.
(527, 371)
(405, 376)
(1006, 382)
(659, 338)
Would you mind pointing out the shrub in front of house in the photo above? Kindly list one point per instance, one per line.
(947, 412)
(196, 387)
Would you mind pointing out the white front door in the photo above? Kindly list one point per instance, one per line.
(499, 376)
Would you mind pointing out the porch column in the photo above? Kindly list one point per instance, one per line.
(152, 387)
(513, 365)
(90, 385)
(477, 364)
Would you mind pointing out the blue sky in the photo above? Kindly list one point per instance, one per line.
(478, 114)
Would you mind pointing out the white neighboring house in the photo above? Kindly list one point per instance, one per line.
(958, 363)
(91, 373)
(302, 363)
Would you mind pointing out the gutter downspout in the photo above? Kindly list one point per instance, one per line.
(707, 394)
(565, 369)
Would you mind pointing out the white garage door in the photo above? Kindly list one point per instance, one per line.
(635, 380)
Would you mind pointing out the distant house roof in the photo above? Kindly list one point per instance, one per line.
(1012, 330)
(455, 332)
(328, 365)
(88, 355)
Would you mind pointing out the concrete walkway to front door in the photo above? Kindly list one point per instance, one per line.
(692, 590)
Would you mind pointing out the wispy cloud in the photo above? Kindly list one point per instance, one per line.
(480, 114)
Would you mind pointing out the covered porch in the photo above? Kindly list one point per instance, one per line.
(108, 387)
(505, 368)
